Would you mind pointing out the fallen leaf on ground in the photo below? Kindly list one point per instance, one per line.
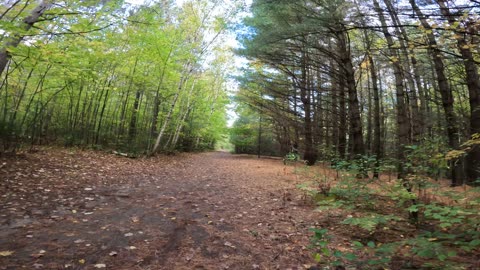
(228, 244)
(6, 253)
(135, 219)
(37, 255)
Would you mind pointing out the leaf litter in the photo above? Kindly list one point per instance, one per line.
(191, 211)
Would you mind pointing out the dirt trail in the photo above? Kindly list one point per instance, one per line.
(87, 210)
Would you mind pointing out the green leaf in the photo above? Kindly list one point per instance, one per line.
(474, 243)
(338, 254)
(371, 244)
(413, 208)
(357, 244)
(350, 256)
(452, 253)
(426, 253)
(445, 225)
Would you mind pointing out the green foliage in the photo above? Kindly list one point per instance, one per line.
(291, 157)
(427, 158)
(437, 254)
(326, 255)
(353, 192)
(339, 164)
(449, 229)
(244, 134)
(320, 242)
(106, 75)
(224, 144)
(371, 222)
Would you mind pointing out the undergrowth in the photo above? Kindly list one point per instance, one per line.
(445, 234)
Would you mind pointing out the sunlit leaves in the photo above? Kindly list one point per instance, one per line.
(93, 61)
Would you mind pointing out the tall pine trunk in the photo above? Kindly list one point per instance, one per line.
(473, 85)
(445, 93)
(377, 147)
(403, 127)
(358, 146)
(310, 154)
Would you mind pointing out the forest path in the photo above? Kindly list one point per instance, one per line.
(66, 209)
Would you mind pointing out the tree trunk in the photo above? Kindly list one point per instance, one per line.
(156, 102)
(415, 117)
(473, 85)
(318, 111)
(310, 154)
(132, 130)
(403, 127)
(104, 106)
(342, 128)
(334, 123)
(188, 108)
(358, 146)
(445, 92)
(182, 81)
(376, 117)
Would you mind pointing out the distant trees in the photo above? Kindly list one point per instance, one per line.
(356, 78)
(107, 74)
